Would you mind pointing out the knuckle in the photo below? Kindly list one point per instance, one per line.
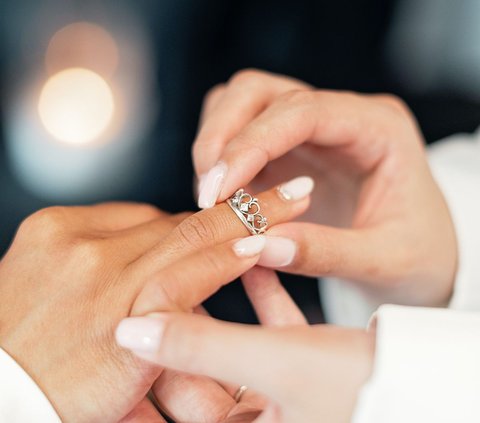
(90, 253)
(395, 102)
(149, 210)
(248, 76)
(213, 93)
(47, 223)
(197, 230)
(298, 97)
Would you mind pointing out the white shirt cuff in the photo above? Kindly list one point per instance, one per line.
(455, 164)
(21, 400)
(427, 367)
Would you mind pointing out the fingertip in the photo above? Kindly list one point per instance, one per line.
(250, 246)
(278, 252)
(140, 334)
(212, 185)
(296, 188)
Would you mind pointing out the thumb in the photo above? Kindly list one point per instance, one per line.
(323, 250)
(231, 352)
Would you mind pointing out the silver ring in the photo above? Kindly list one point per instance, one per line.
(238, 395)
(247, 209)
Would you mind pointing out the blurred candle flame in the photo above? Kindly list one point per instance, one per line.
(76, 106)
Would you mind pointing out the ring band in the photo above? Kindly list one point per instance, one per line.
(247, 209)
(238, 395)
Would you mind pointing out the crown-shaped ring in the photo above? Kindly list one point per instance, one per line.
(246, 207)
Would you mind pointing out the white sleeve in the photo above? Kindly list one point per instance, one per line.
(21, 400)
(427, 368)
(455, 164)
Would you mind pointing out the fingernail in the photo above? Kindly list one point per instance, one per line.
(296, 189)
(211, 186)
(277, 252)
(142, 334)
(201, 181)
(250, 246)
(199, 184)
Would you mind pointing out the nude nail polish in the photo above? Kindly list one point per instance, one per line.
(278, 252)
(142, 334)
(250, 246)
(296, 189)
(211, 186)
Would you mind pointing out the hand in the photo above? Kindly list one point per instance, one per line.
(308, 373)
(377, 218)
(73, 273)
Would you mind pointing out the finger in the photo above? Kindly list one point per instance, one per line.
(211, 100)
(233, 389)
(324, 118)
(186, 397)
(235, 353)
(247, 94)
(271, 301)
(190, 398)
(186, 283)
(144, 412)
(143, 237)
(219, 224)
(347, 253)
(115, 216)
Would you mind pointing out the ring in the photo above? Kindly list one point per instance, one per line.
(247, 209)
(238, 395)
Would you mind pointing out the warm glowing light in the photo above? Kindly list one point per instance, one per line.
(82, 45)
(76, 106)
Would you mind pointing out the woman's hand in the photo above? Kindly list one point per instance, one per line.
(307, 373)
(73, 273)
(378, 216)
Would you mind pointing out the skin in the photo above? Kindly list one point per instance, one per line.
(307, 373)
(377, 218)
(97, 266)
(72, 274)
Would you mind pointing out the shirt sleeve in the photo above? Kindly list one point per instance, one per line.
(427, 367)
(21, 400)
(455, 165)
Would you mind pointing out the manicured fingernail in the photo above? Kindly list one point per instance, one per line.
(142, 334)
(296, 189)
(250, 246)
(201, 181)
(278, 252)
(211, 186)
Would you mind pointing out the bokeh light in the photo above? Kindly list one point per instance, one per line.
(82, 45)
(76, 106)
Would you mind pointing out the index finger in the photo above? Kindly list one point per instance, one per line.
(326, 119)
(247, 94)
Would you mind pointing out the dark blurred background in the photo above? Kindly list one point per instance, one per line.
(170, 52)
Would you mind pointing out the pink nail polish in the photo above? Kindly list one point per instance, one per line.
(296, 189)
(142, 334)
(250, 246)
(211, 186)
(278, 252)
